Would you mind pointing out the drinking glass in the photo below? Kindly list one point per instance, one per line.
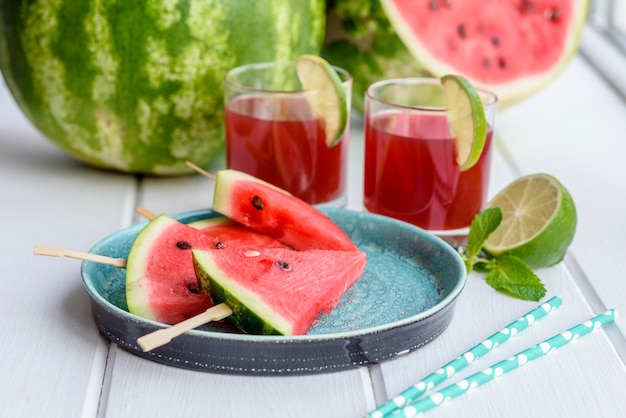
(272, 133)
(411, 171)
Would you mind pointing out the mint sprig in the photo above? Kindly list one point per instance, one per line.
(506, 273)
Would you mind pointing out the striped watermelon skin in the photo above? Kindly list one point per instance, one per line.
(136, 86)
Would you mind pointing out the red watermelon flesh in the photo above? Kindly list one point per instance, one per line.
(161, 284)
(275, 212)
(513, 47)
(229, 232)
(275, 290)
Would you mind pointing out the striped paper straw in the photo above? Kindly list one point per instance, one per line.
(506, 366)
(465, 359)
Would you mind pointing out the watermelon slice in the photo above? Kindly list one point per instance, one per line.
(275, 212)
(275, 290)
(512, 47)
(161, 284)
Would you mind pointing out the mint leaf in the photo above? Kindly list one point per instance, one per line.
(505, 273)
(482, 226)
(512, 275)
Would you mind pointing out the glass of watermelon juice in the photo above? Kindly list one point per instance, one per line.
(410, 161)
(273, 134)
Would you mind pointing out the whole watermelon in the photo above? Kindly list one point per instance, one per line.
(136, 86)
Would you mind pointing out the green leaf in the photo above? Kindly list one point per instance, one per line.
(482, 226)
(514, 276)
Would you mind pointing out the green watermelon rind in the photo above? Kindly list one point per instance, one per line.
(136, 296)
(508, 93)
(248, 310)
(222, 194)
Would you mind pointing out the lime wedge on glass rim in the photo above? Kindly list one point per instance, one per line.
(316, 74)
(466, 118)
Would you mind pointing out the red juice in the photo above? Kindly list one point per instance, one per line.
(411, 172)
(282, 142)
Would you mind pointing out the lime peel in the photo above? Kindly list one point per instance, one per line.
(466, 118)
(538, 221)
(330, 102)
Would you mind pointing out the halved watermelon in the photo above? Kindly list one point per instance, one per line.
(275, 212)
(275, 290)
(161, 284)
(512, 47)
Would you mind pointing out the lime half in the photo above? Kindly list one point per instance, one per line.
(329, 103)
(466, 117)
(538, 221)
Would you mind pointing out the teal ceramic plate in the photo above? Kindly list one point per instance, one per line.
(404, 299)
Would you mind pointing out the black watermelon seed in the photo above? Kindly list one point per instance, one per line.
(257, 202)
(462, 31)
(194, 288)
(552, 15)
(183, 245)
(283, 265)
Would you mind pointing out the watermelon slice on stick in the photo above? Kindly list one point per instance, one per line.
(160, 280)
(267, 291)
(275, 290)
(161, 284)
(275, 212)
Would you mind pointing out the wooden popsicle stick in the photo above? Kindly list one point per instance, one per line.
(200, 170)
(163, 336)
(146, 213)
(81, 255)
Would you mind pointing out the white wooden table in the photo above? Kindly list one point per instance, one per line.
(56, 364)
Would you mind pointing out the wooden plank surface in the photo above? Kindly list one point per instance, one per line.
(141, 388)
(52, 355)
(54, 360)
